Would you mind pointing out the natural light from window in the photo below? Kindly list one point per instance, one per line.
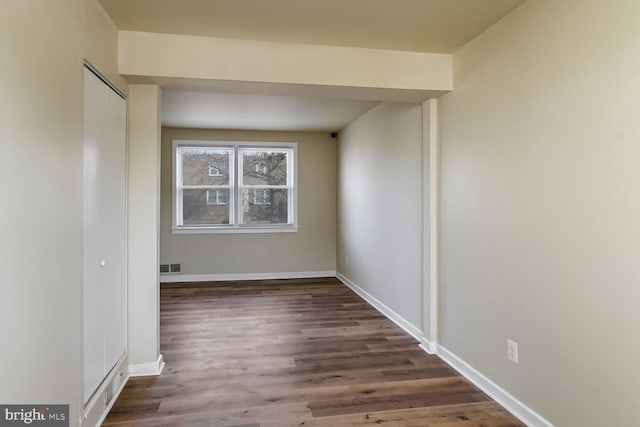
(226, 187)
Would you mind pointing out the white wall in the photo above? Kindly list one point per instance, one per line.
(311, 249)
(540, 230)
(41, 240)
(223, 59)
(144, 224)
(100, 43)
(380, 206)
(41, 211)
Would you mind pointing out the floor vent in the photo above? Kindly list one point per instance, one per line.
(175, 268)
(164, 268)
(108, 394)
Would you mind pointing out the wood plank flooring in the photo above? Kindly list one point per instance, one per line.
(287, 353)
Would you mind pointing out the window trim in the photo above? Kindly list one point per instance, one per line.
(235, 189)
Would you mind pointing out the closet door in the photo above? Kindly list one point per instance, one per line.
(104, 231)
(115, 291)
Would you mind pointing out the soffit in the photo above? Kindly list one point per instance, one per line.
(440, 26)
(258, 112)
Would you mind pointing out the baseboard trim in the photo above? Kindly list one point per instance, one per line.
(147, 369)
(429, 347)
(113, 400)
(178, 278)
(378, 305)
(95, 411)
(497, 393)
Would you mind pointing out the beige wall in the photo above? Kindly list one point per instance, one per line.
(312, 248)
(540, 231)
(380, 206)
(41, 241)
(170, 55)
(100, 43)
(144, 224)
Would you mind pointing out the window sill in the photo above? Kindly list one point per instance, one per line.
(233, 230)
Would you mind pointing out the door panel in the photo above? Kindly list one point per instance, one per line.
(104, 231)
(93, 316)
(115, 246)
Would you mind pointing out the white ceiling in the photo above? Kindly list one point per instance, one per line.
(420, 25)
(258, 112)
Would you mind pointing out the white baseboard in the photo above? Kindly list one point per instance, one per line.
(147, 369)
(95, 411)
(378, 305)
(429, 347)
(497, 393)
(177, 278)
(113, 400)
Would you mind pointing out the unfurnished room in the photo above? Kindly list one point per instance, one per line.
(279, 213)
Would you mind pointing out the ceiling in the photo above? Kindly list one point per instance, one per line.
(440, 26)
(258, 112)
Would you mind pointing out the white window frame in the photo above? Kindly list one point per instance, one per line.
(235, 189)
(217, 201)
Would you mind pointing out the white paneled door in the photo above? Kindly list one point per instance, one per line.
(104, 231)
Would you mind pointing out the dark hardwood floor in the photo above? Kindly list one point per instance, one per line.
(294, 353)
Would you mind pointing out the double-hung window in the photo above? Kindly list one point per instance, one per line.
(222, 186)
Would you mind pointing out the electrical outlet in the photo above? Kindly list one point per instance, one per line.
(512, 351)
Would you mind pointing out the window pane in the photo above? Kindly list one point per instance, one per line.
(265, 206)
(217, 197)
(197, 211)
(264, 167)
(205, 165)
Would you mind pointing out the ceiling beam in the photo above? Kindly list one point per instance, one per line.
(377, 74)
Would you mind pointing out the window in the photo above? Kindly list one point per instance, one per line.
(234, 187)
(214, 171)
(261, 167)
(216, 197)
(261, 197)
